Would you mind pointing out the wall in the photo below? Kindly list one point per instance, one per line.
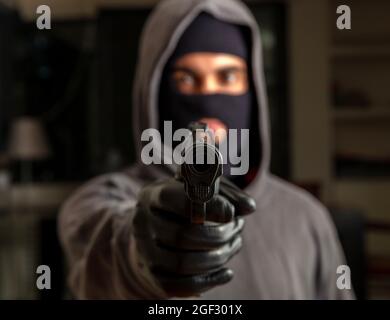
(309, 98)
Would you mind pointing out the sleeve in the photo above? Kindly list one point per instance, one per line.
(95, 230)
(330, 258)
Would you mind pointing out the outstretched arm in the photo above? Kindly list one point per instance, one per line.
(95, 228)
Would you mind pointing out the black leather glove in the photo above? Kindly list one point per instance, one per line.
(188, 259)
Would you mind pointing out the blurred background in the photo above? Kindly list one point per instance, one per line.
(65, 116)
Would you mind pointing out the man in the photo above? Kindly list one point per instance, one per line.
(127, 236)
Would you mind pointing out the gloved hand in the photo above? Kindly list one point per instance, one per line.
(188, 259)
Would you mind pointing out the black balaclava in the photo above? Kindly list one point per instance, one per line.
(207, 34)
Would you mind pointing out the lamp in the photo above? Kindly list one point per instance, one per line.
(27, 142)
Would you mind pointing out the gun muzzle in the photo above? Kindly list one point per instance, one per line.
(200, 171)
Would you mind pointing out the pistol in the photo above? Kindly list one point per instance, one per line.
(201, 170)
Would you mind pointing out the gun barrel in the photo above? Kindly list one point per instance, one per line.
(200, 171)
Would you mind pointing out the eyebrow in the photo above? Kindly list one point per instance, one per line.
(184, 69)
(231, 69)
(219, 70)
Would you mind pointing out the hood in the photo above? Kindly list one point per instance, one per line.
(159, 38)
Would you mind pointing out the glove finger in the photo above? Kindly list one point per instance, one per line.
(187, 286)
(219, 209)
(168, 195)
(195, 262)
(171, 197)
(172, 233)
(243, 203)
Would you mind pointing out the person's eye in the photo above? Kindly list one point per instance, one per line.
(229, 77)
(187, 80)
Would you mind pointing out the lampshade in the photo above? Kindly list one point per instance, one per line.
(27, 140)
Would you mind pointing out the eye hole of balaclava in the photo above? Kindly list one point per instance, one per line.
(210, 35)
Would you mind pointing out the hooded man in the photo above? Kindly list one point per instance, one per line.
(126, 235)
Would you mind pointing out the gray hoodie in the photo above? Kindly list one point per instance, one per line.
(290, 247)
